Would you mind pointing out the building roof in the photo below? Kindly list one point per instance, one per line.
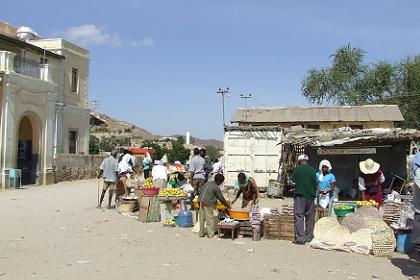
(318, 114)
(24, 45)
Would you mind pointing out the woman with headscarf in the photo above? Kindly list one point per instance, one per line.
(326, 184)
(248, 188)
(147, 164)
(370, 181)
(160, 175)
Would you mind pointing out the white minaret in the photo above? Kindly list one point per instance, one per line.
(187, 138)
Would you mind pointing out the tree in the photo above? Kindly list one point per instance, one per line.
(94, 145)
(178, 151)
(160, 152)
(212, 152)
(350, 81)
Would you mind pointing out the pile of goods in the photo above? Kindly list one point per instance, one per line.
(367, 203)
(342, 209)
(392, 211)
(173, 192)
(360, 232)
(169, 223)
(228, 222)
(148, 183)
(256, 225)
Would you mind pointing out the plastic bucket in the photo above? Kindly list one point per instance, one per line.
(185, 219)
(404, 242)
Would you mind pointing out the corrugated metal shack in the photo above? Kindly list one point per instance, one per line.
(345, 148)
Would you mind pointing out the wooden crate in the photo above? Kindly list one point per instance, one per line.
(320, 213)
(245, 228)
(271, 226)
(287, 227)
(149, 208)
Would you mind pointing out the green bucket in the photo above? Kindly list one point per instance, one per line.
(342, 209)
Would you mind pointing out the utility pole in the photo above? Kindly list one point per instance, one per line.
(223, 93)
(245, 97)
(94, 104)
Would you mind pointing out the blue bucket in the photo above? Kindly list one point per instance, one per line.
(185, 219)
(404, 242)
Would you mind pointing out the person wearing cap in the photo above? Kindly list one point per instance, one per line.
(326, 184)
(304, 180)
(109, 171)
(370, 181)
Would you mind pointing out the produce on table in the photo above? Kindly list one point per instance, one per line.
(148, 183)
(173, 192)
(169, 222)
(344, 209)
(367, 203)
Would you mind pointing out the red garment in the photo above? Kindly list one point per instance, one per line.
(372, 181)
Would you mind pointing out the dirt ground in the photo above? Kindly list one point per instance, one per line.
(55, 232)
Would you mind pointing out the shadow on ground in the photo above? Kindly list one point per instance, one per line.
(409, 267)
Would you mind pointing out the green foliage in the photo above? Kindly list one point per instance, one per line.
(178, 151)
(160, 152)
(212, 152)
(107, 144)
(350, 81)
(94, 144)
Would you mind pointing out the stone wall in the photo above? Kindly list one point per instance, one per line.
(70, 167)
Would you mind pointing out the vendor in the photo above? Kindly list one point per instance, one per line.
(248, 188)
(147, 164)
(208, 200)
(326, 184)
(160, 175)
(370, 181)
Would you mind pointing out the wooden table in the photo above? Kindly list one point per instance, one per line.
(226, 228)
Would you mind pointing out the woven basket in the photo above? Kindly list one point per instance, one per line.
(383, 243)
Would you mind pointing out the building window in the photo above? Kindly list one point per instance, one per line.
(313, 126)
(43, 60)
(72, 141)
(75, 80)
(356, 127)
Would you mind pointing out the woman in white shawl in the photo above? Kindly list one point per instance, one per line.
(326, 184)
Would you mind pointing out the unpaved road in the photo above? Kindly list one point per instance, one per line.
(55, 232)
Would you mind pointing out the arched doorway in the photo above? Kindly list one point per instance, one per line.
(28, 149)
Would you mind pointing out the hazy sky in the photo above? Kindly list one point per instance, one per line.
(159, 63)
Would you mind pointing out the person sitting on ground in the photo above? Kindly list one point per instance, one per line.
(304, 180)
(248, 188)
(109, 171)
(326, 184)
(208, 201)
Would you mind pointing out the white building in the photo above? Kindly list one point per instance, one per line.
(43, 103)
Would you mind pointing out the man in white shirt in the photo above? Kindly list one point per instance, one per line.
(197, 173)
(160, 175)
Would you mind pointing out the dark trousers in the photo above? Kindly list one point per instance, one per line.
(304, 219)
(146, 173)
(415, 236)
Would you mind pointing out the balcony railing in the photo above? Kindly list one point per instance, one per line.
(27, 67)
(11, 62)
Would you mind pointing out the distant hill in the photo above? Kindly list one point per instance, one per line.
(103, 125)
